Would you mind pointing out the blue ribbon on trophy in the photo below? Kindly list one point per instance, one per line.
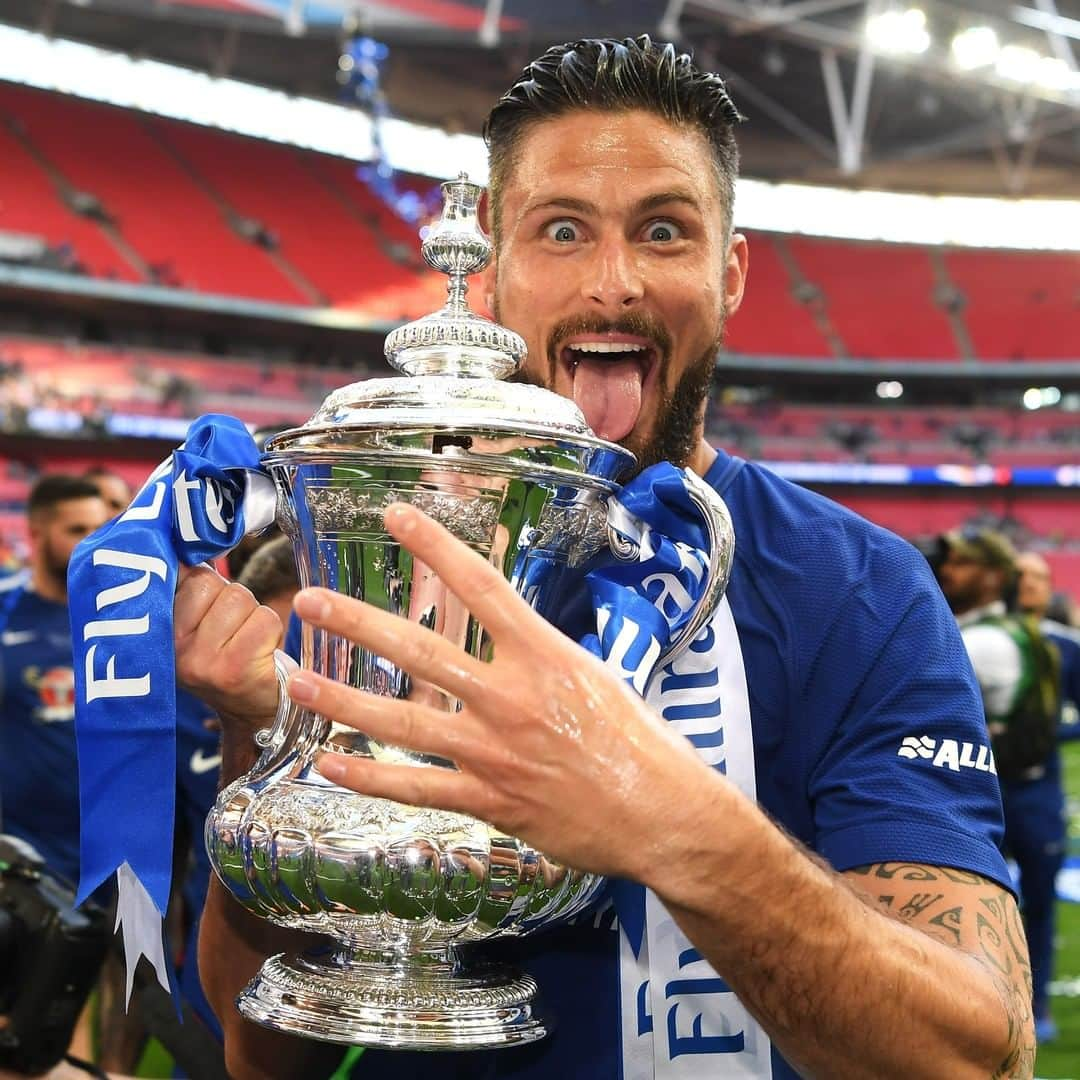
(643, 599)
(195, 506)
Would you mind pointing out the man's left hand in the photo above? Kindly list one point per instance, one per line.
(549, 744)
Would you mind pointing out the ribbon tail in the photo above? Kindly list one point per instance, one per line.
(629, 901)
(142, 925)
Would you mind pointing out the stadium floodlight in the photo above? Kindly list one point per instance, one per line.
(975, 47)
(1018, 63)
(1040, 397)
(1055, 74)
(899, 32)
(890, 389)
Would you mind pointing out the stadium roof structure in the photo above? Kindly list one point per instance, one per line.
(974, 96)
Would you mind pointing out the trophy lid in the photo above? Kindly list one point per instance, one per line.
(453, 363)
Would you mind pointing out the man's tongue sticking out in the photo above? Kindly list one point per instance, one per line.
(608, 392)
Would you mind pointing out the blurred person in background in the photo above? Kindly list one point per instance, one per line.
(1040, 807)
(979, 569)
(39, 772)
(113, 488)
(38, 764)
(269, 572)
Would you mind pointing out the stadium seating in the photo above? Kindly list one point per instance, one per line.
(251, 218)
(188, 244)
(771, 320)
(1020, 305)
(30, 203)
(879, 298)
(334, 250)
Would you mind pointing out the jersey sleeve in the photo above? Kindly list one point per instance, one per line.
(907, 774)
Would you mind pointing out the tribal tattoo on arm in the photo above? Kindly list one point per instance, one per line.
(975, 915)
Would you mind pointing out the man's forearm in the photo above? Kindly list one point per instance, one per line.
(843, 989)
(233, 944)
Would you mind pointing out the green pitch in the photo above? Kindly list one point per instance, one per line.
(1060, 1060)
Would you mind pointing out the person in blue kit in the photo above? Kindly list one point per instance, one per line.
(198, 767)
(1035, 828)
(831, 873)
(39, 777)
(979, 570)
(39, 780)
(270, 575)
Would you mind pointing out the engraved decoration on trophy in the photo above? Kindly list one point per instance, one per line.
(403, 893)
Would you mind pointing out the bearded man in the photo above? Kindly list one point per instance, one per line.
(39, 790)
(842, 905)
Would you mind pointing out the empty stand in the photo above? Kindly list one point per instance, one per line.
(30, 203)
(771, 321)
(879, 298)
(927, 435)
(1020, 305)
(176, 227)
(176, 191)
(334, 250)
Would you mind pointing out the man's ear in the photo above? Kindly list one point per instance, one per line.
(487, 288)
(735, 270)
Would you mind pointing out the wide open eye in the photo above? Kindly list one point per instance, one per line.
(662, 232)
(562, 231)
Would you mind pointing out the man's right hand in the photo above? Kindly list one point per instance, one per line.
(225, 644)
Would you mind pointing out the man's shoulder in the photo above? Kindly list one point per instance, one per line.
(815, 544)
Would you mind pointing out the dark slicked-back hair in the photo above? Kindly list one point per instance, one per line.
(609, 75)
(56, 488)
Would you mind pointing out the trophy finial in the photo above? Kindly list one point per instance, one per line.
(454, 340)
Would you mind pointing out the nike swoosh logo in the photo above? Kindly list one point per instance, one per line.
(202, 763)
(17, 637)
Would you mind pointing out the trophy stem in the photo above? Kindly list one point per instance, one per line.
(457, 288)
(348, 994)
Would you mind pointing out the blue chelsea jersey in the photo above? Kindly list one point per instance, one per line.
(869, 746)
(39, 772)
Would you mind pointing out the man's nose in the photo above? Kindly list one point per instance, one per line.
(613, 280)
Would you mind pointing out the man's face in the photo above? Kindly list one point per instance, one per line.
(613, 266)
(59, 530)
(1033, 587)
(968, 584)
(114, 490)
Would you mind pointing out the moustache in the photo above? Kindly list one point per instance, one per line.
(637, 324)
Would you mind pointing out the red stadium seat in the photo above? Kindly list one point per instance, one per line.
(879, 298)
(30, 203)
(109, 153)
(1020, 305)
(771, 320)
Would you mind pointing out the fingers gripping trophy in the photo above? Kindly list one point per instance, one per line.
(403, 893)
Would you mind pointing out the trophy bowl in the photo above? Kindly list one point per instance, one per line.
(402, 892)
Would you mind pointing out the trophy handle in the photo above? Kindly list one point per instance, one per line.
(270, 740)
(721, 535)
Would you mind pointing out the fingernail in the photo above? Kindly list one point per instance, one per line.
(400, 518)
(303, 688)
(311, 604)
(331, 767)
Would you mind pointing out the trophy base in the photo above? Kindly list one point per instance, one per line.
(336, 998)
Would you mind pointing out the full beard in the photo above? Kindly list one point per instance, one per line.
(677, 424)
(56, 567)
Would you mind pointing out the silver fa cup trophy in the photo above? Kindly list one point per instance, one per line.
(402, 893)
